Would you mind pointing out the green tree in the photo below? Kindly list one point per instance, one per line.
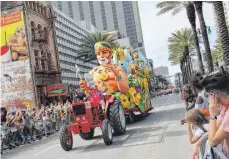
(204, 33)
(87, 50)
(217, 52)
(177, 42)
(222, 26)
(176, 7)
(179, 45)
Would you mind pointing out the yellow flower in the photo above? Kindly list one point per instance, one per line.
(145, 83)
(121, 54)
(132, 91)
(124, 101)
(137, 98)
(134, 96)
(103, 76)
(146, 72)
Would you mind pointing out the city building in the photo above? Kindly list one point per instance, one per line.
(69, 34)
(162, 70)
(30, 63)
(107, 15)
(121, 40)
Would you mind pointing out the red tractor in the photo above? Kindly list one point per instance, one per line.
(89, 114)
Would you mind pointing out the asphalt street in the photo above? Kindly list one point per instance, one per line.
(158, 136)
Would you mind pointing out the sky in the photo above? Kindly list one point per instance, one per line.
(157, 29)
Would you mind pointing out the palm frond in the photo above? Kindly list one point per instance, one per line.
(167, 6)
(87, 50)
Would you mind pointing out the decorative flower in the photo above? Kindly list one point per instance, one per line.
(124, 101)
(134, 96)
(146, 72)
(103, 76)
(121, 54)
(132, 91)
(145, 83)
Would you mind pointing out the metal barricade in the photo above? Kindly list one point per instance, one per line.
(208, 152)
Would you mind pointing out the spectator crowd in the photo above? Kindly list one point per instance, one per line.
(207, 118)
(23, 126)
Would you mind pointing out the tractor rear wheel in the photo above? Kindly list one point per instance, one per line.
(87, 136)
(66, 140)
(107, 132)
(117, 117)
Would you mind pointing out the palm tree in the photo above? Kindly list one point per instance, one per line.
(222, 26)
(179, 44)
(176, 7)
(217, 53)
(87, 50)
(199, 10)
(178, 76)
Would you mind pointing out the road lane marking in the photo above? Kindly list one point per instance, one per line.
(46, 149)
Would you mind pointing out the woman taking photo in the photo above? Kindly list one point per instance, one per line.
(217, 86)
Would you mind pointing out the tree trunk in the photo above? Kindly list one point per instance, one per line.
(222, 26)
(182, 71)
(199, 10)
(190, 9)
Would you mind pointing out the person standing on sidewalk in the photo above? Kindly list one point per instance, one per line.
(202, 100)
(217, 85)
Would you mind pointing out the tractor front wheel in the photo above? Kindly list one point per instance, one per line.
(117, 117)
(87, 136)
(107, 132)
(66, 140)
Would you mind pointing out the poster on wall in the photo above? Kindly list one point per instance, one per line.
(16, 84)
(16, 78)
(13, 37)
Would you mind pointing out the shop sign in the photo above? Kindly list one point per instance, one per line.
(57, 90)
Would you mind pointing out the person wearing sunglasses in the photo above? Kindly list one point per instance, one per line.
(217, 86)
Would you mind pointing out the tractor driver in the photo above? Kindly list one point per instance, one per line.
(108, 78)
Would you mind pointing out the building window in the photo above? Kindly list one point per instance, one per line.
(39, 31)
(45, 33)
(36, 55)
(81, 10)
(103, 15)
(59, 5)
(33, 30)
(115, 19)
(70, 9)
(43, 64)
(130, 23)
(92, 13)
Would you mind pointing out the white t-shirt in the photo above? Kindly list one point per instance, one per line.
(199, 132)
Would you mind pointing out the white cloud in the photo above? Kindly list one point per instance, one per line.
(157, 29)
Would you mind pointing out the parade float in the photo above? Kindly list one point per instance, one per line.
(117, 88)
(124, 75)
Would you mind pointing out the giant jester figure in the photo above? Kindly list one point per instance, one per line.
(109, 79)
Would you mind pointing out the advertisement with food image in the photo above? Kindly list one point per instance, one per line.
(16, 84)
(13, 37)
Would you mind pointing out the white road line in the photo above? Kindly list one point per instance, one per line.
(46, 149)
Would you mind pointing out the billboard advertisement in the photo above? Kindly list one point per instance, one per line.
(13, 37)
(57, 90)
(16, 79)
